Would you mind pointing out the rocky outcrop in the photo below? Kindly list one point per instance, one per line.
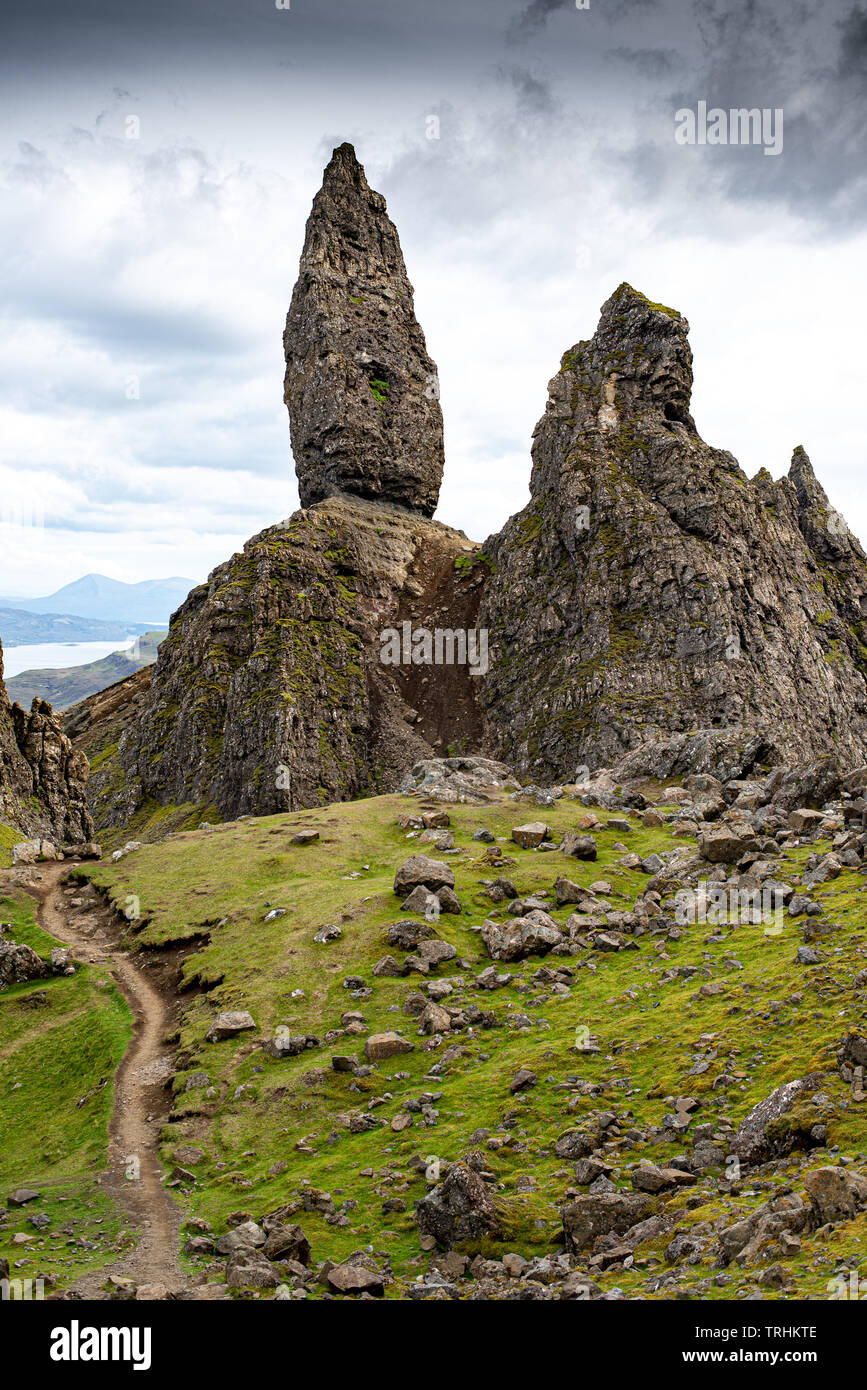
(835, 1194)
(459, 1209)
(651, 609)
(362, 392)
(651, 589)
(269, 692)
(42, 777)
(20, 964)
(761, 1136)
(95, 726)
(458, 779)
(592, 1215)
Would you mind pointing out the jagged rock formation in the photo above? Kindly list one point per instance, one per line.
(650, 587)
(95, 726)
(651, 603)
(269, 692)
(42, 777)
(362, 391)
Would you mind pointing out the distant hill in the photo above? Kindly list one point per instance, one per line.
(95, 596)
(19, 628)
(67, 686)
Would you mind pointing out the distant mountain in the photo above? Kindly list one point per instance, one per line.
(95, 596)
(66, 687)
(19, 628)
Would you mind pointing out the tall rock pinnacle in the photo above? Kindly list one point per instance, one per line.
(651, 589)
(362, 391)
(635, 370)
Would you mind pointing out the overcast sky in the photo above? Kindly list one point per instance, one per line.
(158, 161)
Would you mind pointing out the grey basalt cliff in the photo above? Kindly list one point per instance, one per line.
(269, 694)
(650, 587)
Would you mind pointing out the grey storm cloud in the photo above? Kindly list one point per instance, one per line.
(804, 60)
(853, 46)
(174, 258)
(536, 15)
(532, 91)
(649, 62)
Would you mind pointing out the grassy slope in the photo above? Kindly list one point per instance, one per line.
(8, 838)
(59, 1039)
(776, 1019)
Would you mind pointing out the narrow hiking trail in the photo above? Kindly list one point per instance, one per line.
(140, 1101)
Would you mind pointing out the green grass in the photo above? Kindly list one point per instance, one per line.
(8, 838)
(215, 889)
(60, 1042)
(379, 390)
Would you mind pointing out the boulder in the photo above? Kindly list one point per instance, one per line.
(435, 952)
(246, 1236)
(458, 779)
(744, 1240)
(459, 1209)
(248, 1268)
(531, 835)
(33, 851)
(752, 1143)
(358, 1274)
(380, 1046)
(418, 869)
(648, 1178)
(565, 891)
(387, 965)
(287, 1243)
(723, 844)
(519, 937)
(449, 900)
(523, 1080)
(804, 821)
(591, 1215)
(21, 1196)
(434, 1019)
(289, 1045)
(835, 1194)
(407, 934)
(20, 964)
(198, 1245)
(575, 1143)
(227, 1025)
(579, 846)
(853, 1050)
(422, 900)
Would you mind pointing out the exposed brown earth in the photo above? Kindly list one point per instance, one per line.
(134, 1178)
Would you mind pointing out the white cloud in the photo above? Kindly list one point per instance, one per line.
(170, 259)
